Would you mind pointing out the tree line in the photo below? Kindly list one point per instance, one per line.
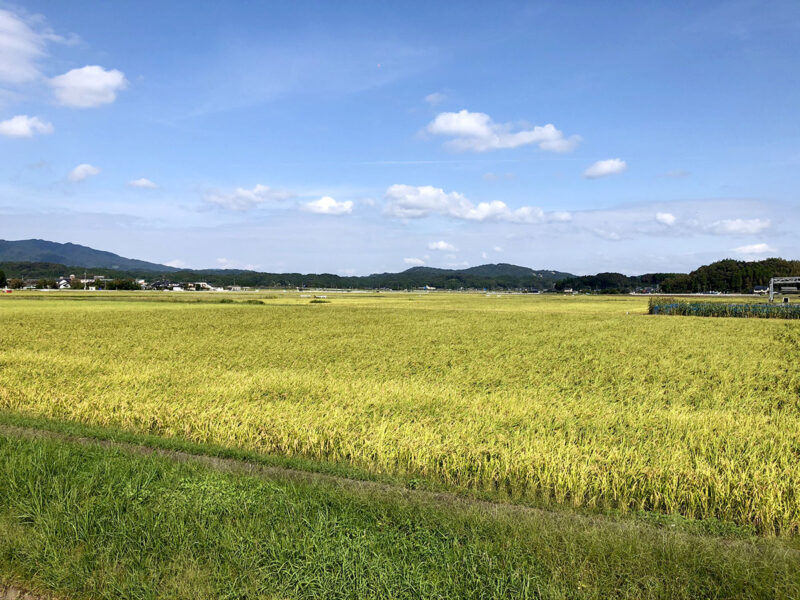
(732, 276)
(727, 275)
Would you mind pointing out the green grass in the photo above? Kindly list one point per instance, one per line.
(746, 310)
(91, 522)
(581, 402)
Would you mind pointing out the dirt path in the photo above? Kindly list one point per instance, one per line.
(11, 592)
(233, 465)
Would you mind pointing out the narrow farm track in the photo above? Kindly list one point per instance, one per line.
(12, 592)
(244, 467)
(374, 489)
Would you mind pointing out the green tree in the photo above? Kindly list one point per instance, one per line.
(2, 278)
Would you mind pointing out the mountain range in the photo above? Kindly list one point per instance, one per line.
(40, 259)
(44, 259)
(72, 254)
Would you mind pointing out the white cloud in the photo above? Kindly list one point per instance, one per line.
(328, 206)
(143, 183)
(477, 132)
(435, 98)
(23, 42)
(497, 249)
(23, 126)
(666, 218)
(88, 86)
(414, 262)
(484, 256)
(601, 168)
(739, 226)
(443, 246)
(83, 171)
(176, 263)
(225, 263)
(561, 216)
(244, 199)
(408, 202)
(495, 177)
(755, 249)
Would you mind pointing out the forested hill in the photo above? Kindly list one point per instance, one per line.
(499, 276)
(612, 283)
(732, 276)
(43, 251)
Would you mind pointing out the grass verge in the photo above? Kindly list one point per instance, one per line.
(84, 521)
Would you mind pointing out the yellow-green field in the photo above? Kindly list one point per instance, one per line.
(576, 401)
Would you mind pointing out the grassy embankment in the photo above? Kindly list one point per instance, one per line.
(586, 406)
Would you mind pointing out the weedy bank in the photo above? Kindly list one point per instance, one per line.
(90, 522)
(578, 402)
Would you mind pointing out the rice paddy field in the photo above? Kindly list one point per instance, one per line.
(644, 455)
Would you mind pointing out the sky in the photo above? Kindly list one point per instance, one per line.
(361, 137)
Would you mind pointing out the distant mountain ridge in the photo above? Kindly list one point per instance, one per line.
(74, 255)
(38, 259)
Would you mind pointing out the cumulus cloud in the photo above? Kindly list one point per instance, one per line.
(666, 218)
(143, 183)
(755, 249)
(244, 199)
(23, 126)
(435, 98)
(328, 206)
(443, 246)
(414, 262)
(88, 86)
(83, 171)
(602, 168)
(739, 226)
(410, 202)
(477, 132)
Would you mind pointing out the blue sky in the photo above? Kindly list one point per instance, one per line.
(358, 137)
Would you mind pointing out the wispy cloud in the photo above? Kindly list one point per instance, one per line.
(739, 226)
(603, 168)
(143, 183)
(23, 44)
(435, 98)
(241, 199)
(83, 171)
(755, 249)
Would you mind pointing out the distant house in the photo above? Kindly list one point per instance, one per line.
(761, 289)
